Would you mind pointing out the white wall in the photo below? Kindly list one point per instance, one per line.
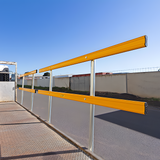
(104, 83)
(80, 83)
(61, 82)
(37, 82)
(19, 81)
(26, 82)
(111, 83)
(42, 82)
(7, 91)
(144, 84)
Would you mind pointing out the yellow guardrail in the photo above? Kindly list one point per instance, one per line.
(136, 43)
(126, 105)
(27, 90)
(29, 73)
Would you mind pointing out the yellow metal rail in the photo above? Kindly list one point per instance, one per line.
(27, 90)
(136, 43)
(29, 73)
(126, 105)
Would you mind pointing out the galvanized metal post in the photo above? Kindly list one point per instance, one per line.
(32, 95)
(15, 81)
(92, 107)
(22, 90)
(126, 83)
(50, 98)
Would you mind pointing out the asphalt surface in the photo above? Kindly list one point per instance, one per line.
(119, 135)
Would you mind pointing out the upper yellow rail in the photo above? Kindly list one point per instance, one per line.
(29, 73)
(126, 105)
(136, 43)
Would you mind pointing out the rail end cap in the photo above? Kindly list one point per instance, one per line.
(146, 108)
(146, 40)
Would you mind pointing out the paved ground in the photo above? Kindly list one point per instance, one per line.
(119, 135)
(23, 136)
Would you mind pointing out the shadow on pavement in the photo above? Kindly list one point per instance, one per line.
(41, 154)
(19, 123)
(148, 124)
(12, 110)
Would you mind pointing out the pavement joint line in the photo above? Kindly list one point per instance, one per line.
(63, 135)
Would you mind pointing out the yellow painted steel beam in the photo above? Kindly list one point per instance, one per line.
(126, 105)
(133, 44)
(27, 90)
(29, 73)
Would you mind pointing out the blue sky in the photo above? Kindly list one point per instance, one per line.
(39, 33)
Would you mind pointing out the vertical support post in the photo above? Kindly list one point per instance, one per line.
(32, 95)
(126, 83)
(22, 90)
(92, 107)
(16, 81)
(50, 98)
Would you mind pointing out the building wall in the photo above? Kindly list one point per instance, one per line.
(7, 91)
(80, 83)
(42, 82)
(111, 83)
(19, 81)
(61, 82)
(104, 83)
(26, 82)
(37, 82)
(145, 84)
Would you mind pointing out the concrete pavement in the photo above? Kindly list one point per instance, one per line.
(23, 136)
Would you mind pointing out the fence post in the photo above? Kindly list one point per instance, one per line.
(32, 95)
(16, 81)
(50, 98)
(92, 107)
(126, 83)
(22, 90)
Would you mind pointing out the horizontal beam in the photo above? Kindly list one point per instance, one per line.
(126, 105)
(133, 44)
(29, 73)
(5, 72)
(6, 62)
(27, 90)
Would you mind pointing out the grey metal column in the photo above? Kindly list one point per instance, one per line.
(22, 90)
(15, 81)
(50, 99)
(32, 95)
(126, 83)
(92, 107)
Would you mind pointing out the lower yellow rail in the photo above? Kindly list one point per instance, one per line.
(126, 105)
(28, 90)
